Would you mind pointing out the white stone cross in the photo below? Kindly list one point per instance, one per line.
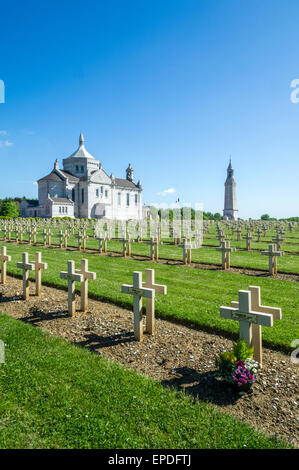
(272, 253)
(39, 266)
(150, 301)
(102, 242)
(226, 250)
(138, 292)
(257, 329)
(84, 238)
(186, 251)
(248, 239)
(26, 267)
(60, 238)
(72, 277)
(243, 311)
(259, 233)
(29, 236)
(17, 234)
(278, 241)
(154, 250)
(126, 247)
(86, 275)
(79, 237)
(34, 232)
(239, 232)
(45, 237)
(65, 238)
(221, 237)
(4, 258)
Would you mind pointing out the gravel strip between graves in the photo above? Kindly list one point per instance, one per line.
(177, 356)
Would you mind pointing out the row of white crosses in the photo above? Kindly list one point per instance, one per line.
(81, 275)
(139, 289)
(251, 316)
(272, 253)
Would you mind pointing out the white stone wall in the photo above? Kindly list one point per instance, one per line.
(57, 213)
(123, 211)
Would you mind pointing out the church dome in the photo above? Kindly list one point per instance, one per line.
(81, 152)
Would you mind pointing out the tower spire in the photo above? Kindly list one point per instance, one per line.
(81, 140)
(230, 200)
(130, 173)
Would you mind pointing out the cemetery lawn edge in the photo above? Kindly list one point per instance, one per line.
(57, 395)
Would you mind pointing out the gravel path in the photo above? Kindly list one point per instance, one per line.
(177, 356)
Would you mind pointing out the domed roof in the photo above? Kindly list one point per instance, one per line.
(81, 152)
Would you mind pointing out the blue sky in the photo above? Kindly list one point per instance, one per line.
(173, 87)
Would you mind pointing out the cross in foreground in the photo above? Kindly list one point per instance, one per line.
(248, 239)
(245, 313)
(86, 275)
(272, 253)
(257, 329)
(72, 277)
(39, 266)
(150, 302)
(154, 250)
(226, 250)
(26, 267)
(138, 292)
(4, 258)
(187, 246)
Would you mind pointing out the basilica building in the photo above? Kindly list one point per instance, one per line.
(84, 189)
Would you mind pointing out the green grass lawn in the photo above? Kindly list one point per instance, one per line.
(57, 395)
(194, 295)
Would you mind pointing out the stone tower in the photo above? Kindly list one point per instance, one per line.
(130, 173)
(230, 200)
